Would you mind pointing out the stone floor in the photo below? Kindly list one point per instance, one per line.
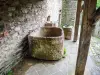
(65, 66)
(94, 54)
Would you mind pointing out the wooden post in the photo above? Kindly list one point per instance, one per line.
(77, 20)
(85, 37)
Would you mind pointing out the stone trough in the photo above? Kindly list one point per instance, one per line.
(47, 43)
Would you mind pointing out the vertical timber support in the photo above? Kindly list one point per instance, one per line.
(77, 20)
(85, 37)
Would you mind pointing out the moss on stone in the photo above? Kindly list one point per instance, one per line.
(48, 49)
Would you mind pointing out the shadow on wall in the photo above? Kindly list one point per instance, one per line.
(25, 46)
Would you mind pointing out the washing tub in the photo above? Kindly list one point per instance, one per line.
(47, 43)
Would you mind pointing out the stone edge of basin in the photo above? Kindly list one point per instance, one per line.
(62, 33)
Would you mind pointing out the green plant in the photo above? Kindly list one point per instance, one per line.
(98, 3)
(65, 52)
(10, 73)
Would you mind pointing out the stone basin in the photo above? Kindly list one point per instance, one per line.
(47, 43)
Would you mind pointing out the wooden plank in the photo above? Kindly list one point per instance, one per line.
(77, 20)
(85, 37)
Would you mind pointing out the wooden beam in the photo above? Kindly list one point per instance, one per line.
(85, 36)
(77, 20)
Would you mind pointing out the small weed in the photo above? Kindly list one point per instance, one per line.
(10, 73)
(98, 3)
(65, 52)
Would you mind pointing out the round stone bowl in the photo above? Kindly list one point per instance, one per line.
(47, 43)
